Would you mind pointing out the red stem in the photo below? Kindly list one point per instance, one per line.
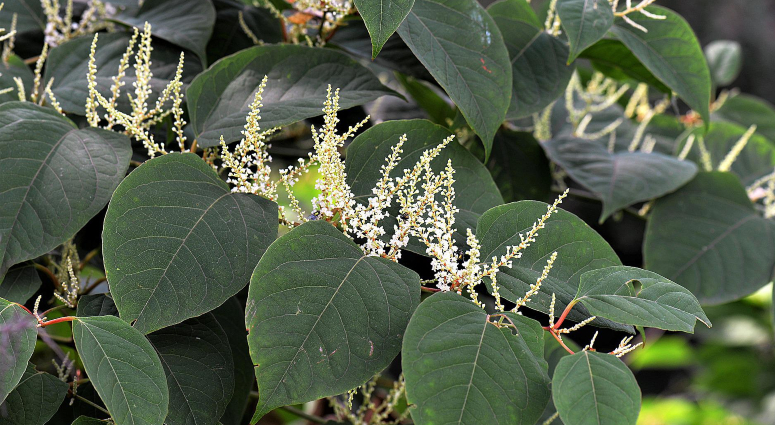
(557, 337)
(564, 314)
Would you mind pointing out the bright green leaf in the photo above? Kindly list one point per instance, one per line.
(725, 58)
(20, 283)
(177, 242)
(322, 316)
(474, 69)
(438, 109)
(747, 110)
(585, 22)
(124, 369)
(461, 368)
(21, 332)
(592, 388)
(35, 400)
(55, 178)
(382, 18)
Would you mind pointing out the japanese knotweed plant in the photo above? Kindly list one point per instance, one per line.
(308, 253)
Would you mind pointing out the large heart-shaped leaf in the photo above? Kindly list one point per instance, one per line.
(585, 22)
(639, 297)
(475, 191)
(620, 179)
(579, 249)
(186, 23)
(382, 18)
(708, 238)
(592, 388)
(231, 318)
(17, 342)
(747, 110)
(20, 283)
(124, 369)
(323, 317)
(219, 98)
(35, 400)
(671, 52)
(474, 69)
(177, 242)
(197, 359)
(461, 368)
(68, 65)
(55, 178)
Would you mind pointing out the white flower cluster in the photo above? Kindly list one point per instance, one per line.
(62, 28)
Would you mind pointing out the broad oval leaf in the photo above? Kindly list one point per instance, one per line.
(219, 99)
(124, 369)
(475, 191)
(708, 238)
(19, 335)
(382, 18)
(35, 400)
(585, 22)
(615, 60)
(177, 242)
(725, 58)
(747, 110)
(186, 23)
(461, 368)
(620, 179)
(590, 388)
(55, 178)
(579, 249)
(323, 317)
(639, 297)
(671, 52)
(473, 69)
(197, 359)
(20, 283)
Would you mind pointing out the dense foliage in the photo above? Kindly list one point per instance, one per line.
(161, 262)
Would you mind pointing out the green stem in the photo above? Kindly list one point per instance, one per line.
(90, 403)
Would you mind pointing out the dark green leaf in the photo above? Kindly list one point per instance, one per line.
(228, 35)
(475, 192)
(68, 65)
(56, 178)
(747, 110)
(585, 22)
(35, 400)
(177, 242)
(579, 249)
(197, 359)
(124, 368)
(639, 297)
(620, 179)
(29, 15)
(20, 283)
(322, 317)
(85, 420)
(474, 69)
(725, 58)
(437, 108)
(14, 67)
(18, 332)
(708, 238)
(519, 167)
(96, 305)
(671, 52)
(539, 71)
(382, 18)
(615, 60)
(461, 368)
(186, 23)
(219, 98)
(592, 388)
(231, 318)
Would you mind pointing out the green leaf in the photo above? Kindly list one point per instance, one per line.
(29, 15)
(747, 110)
(382, 18)
(67, 65)
(708, 238)
(20, 283)
(186, 23)
(475, 191)
(219, 98)
(725, 58)
(473, 69)
(177, 242)
(579, 249)
(35, 400)
(322, 317)
(85, 420)
(519, 167)
(229, 37)
(19, 332)
(197, 359)
(56, 178)
(639, 297)
(585, 22)
(539, 71)
(620, 179)
(439, 111)
(96, 305)
(615, 60)
(231, 318)
(124, 369)
(14, 67)
(595, 388)
(670, 50)
(461, 368)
